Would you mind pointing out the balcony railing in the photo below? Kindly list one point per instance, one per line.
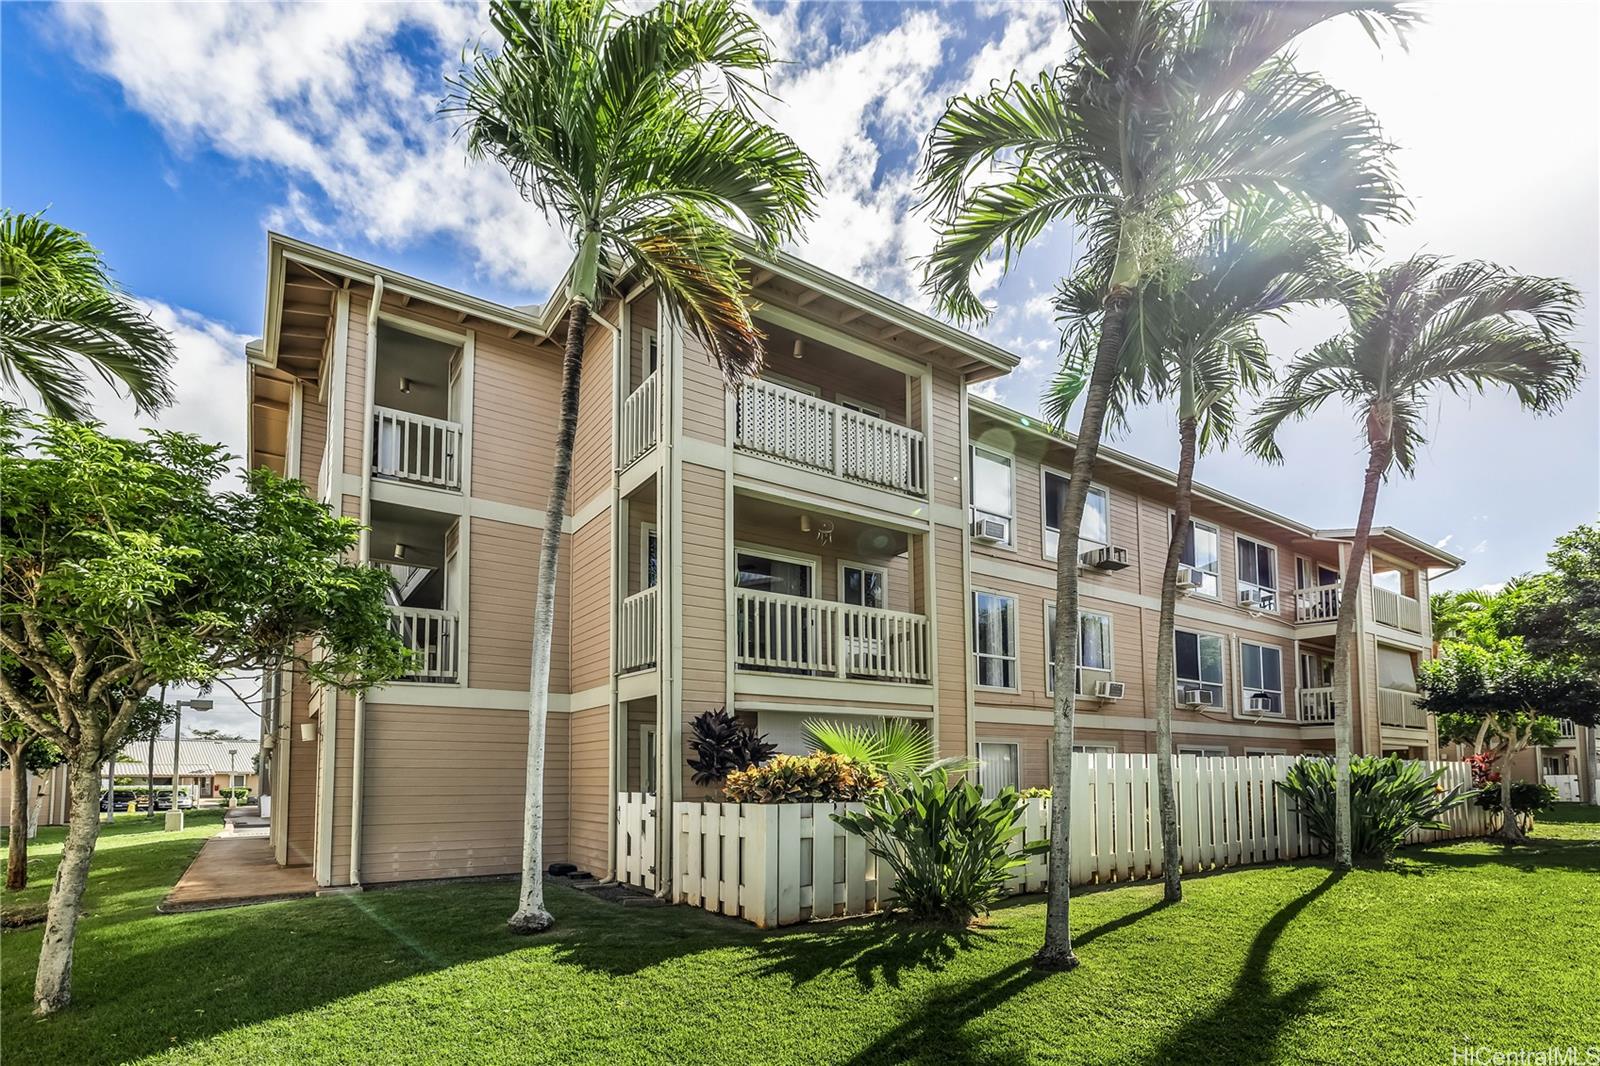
(1316, 705)
(802, 429)
(431, 637)
(795, 634)
(416, 448)
(636, 637)
(1397, 707)
(1393, 609)
(1319, 603)
(641, 419)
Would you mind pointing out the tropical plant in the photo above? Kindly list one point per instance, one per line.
(1391, 798)
(723, 744)
(951, 850)
(1195, 338)
(1528, 798)
(122, 567)
(803, 779)
(896, 749)
(640, 135)
(1462, 615)
(1418, 327)
(1164, 111)
(60, 313)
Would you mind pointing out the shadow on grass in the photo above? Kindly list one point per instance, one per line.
(1246, 1026)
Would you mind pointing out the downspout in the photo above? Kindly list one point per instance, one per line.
(358, 760)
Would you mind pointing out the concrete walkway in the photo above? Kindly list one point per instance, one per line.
(235, 868)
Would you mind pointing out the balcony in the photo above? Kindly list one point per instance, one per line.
(798, 428)
(417, 449)
(636, 633)
(1398, 708)
(431, 637)
(1319, 603)
(1316, 705)
(641, 419)
(800, 635)
(1393, 609)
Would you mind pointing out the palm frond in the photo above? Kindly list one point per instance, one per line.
(897, 748)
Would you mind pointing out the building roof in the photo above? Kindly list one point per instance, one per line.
(196, 757)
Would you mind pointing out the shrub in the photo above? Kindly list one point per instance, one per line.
(948, 847)
(1528, 798)
(723, 744)
(1389, 797)
(240, 794)
(1034, 793)
(896, 749)
(803, 779)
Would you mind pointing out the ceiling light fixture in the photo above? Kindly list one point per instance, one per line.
(405, 386)
(799, 348)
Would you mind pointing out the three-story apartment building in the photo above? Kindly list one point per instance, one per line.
(854, 534)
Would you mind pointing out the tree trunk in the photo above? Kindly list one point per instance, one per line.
(1057, 954)
(1591, 759)
(52, 987)
(531, 916)
(17, 855)
(1344, 637)
(1166, 662)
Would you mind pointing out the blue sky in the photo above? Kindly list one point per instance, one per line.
(177, 135)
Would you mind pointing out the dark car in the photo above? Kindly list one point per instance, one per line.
(123, 796)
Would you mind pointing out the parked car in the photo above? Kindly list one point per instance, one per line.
(122, 796)
(164, 800)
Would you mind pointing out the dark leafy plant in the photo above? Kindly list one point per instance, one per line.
(723, 744)
(1528, 798)
(819, 778)
(1389, 797)
(949, 848)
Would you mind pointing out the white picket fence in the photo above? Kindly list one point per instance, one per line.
(636, 839)
(777, 864)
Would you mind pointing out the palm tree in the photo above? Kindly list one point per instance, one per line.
(1416, 327)
(1460, 615)
(1165, 110)
(640, 136)
(1199, 340)
(59, 310)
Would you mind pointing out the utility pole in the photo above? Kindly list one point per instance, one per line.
(150, 766)
(175, 815)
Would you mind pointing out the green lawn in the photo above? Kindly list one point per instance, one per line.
(1455, 945)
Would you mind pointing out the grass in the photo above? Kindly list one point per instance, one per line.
(1453, 945)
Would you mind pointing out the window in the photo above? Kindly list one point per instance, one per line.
(1200, 663)
(997, 768)
(993, 490)
(1094, 649)
(1095, 529)
(1202, 751)
(1095, 749)
(648, 571)
(1266, 751)
(1202, 550)
(1312, 575)
(863, 586)
(1258, 573)
(647, 349)
(1396, 669)
(860, 407)
(994, 637)
(1262, 667)
(647, 759)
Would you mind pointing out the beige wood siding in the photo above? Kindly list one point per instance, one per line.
(946, 464)
(313, 438)
(344, 706)
(302, 784)
(591, 448)
(703, 626)
(516, 405)
(950, 605)
(589, 646)
(504, 576)
(704, 410)
(589, 788)
(638, 714)
(355, 384)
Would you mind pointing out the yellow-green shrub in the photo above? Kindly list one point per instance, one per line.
(803, 779)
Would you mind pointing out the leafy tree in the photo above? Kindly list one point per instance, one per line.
(1419, 327)
(1165, 110)
(641, 136)
(214, 734)
(1501, 700)
(59, 311)
(121, 568)
(1465, 615)
(1196, 340)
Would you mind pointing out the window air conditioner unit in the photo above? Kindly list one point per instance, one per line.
(1258, 599)
(1107, 559)
(1109, 690)
(1190, 578)
(1195, 697)
(1260, 703)
(989, 530)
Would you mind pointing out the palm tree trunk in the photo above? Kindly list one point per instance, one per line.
(52, 985)
(17, 853)
(1057, 953)
(531, 916)
(1166, 662)
(1344, 637)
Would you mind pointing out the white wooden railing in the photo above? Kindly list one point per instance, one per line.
(431, 636)
(1397, 707)
(641, 419)
(416, 448)
(636, 636)
(1393, 609)
(636, 839)
(1319, 603)
(1316, 705)
(796, 633)
(799, 428)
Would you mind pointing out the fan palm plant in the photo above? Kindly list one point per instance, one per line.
(640, 135)
(897, 748)
(1417, 327)
(1197, 341)
(60, 312)
(1164, 111)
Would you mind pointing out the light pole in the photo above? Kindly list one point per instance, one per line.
(232, 758)
(175, 812)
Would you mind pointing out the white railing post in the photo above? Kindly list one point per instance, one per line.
(431, 636)
(416, 448)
